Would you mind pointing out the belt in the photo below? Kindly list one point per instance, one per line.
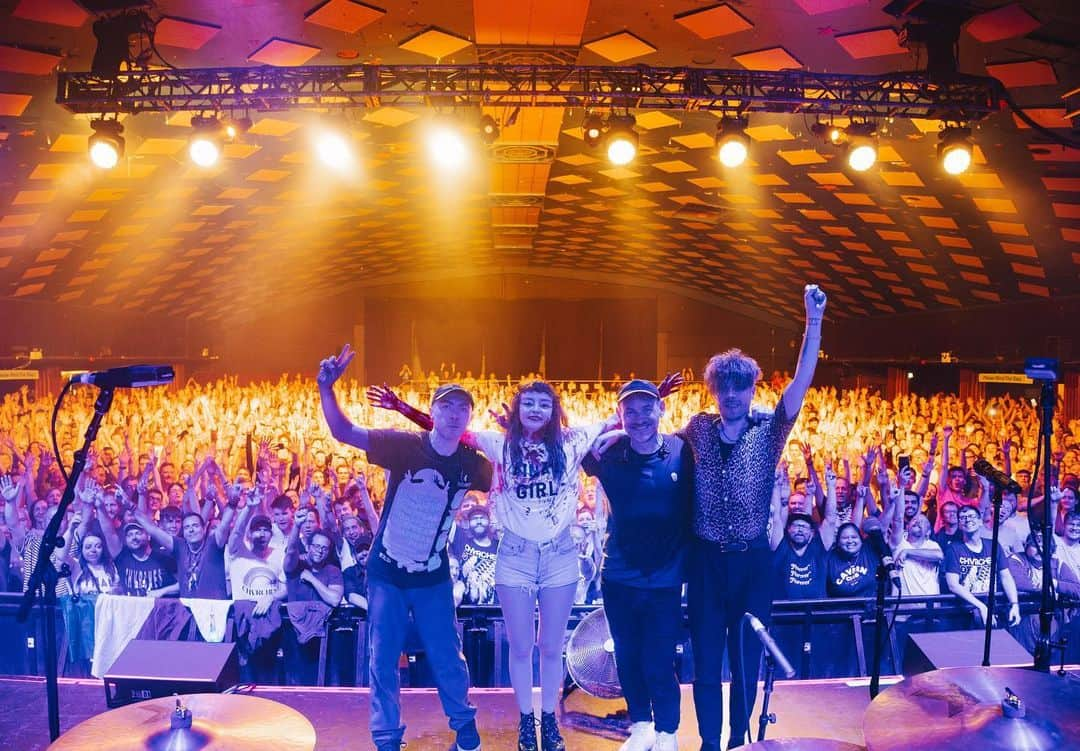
(733, 546)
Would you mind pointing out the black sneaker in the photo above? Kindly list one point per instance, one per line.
(549, 733)
(468, 739)
(527, 733)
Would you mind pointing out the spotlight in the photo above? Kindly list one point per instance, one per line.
(834, 134)
(592, 129)
(205, 146)
(732, 143)
(237, 126)
(622, 140)
(106, 145)
(954, 150)
(446, 146)
(333, 150)
(862, 151)
(489, 129)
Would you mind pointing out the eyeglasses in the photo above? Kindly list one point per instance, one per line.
(323, 548)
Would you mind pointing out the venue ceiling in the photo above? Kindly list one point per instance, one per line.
(270, 223)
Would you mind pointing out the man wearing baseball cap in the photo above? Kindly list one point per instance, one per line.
(256, 572)
(408, 568)
(647, 478)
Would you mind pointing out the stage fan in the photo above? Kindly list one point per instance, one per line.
(590, 657)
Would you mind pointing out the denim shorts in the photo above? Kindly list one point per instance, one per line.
(536, 565)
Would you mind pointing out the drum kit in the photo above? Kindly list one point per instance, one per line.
(983, 708)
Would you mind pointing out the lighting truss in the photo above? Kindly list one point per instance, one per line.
(260, 89)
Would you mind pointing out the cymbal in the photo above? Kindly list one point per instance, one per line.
(220, 721)
(970, 708)
(802, 744)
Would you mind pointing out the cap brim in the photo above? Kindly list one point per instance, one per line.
(653, 394)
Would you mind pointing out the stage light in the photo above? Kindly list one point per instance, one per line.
(204, 148)
(446, 146)
(954, 150)
(732, 143)
(862, 151)
(862, 156)
(106, 145)
(489, 129)
(592, 130)
(333, 150)
(622, 140)
(834, 134)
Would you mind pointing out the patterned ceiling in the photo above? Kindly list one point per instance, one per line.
(160, 235)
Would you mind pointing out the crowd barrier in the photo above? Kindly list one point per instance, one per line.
(823, 639)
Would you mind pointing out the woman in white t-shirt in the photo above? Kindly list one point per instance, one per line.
(534, 497)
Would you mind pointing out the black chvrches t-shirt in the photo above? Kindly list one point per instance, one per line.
(651, 499)
(138, 577)
(425, 489)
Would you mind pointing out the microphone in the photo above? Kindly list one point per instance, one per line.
(767, 641)
(997, 478)
(875, 538)
(129, 377)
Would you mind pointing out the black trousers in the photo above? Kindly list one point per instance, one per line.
(646, 625)
(722, 587)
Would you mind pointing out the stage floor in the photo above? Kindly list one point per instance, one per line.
(826, 709)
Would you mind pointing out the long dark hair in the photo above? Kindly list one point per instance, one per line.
(106, 562)
(552, 435)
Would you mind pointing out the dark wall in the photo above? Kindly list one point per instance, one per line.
(584, 338)
(70, 331)
(1011, 332)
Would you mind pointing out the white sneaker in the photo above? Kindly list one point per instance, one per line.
(642, 737)
(666, 742)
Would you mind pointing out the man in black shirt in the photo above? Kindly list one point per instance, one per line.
(143, 570)
(408, 568)
(648, 480)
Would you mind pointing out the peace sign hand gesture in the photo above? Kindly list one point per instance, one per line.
(331, 368)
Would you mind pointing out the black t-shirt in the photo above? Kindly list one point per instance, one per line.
(425, 489)
(477, 567)
(137, 577)
(799, 577)
(5, 564)
(854, 576)
(355, 580)
(201, 573)
(651, 498)
(972, 567)
(302, 591)
(944, 539)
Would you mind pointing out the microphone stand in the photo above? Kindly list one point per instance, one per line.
(879, 627)
(1043, 647)
(770, 677)
(991, 595)
(45, 576)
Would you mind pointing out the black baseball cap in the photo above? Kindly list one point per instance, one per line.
(261, 520)
(130, 526)
(639, 386)
(451, 388)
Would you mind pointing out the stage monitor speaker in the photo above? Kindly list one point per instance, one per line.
(151, 669)
(956, 649)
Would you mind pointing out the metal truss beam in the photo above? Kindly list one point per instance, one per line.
(263, 89)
